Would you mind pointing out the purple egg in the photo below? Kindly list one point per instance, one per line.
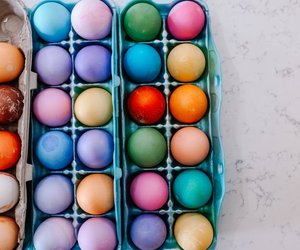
(54, 233)
(95, 149)
(93, 63)
(52, 107)
(148, 231)
(97, 233)
(53, 65)
(54, 194)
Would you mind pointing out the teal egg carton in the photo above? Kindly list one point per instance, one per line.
(213, 166)
(76, 171)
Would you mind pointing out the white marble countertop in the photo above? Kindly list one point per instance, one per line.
(259, 43)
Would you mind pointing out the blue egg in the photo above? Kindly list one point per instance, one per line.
(54, 150)
(142, 63)
(52, 22)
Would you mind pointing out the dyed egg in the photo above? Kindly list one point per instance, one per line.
(91, 19)
(52, 107)
(53, 194)
(11, 62)
(95, 149)
(9, 231)
(142, 22)
(54, 150)
(93, 63)
(53, 65)
(97, 233)
(148, 231)
(186, 20)
(95, 194)
(146, 105)
(9, 192)
(11, 104)
(93, 107)
(10, 149)
(139, 69)
(188, 103)
(52, 22)
(190, 146)
(186, 62)
(192, 189)
(193, 232)
(149, 191)
(54, 233)
(147, 147)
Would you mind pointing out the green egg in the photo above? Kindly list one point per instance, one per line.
(142, 22)
(192, 189)
(147, 147)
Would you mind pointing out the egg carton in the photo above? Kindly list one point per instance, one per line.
(76, 171)
(213, 166)
(15, 29)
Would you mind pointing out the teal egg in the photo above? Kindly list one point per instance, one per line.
(192, 189)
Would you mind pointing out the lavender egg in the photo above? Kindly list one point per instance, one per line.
(54, 233)
(53, 194)
(53, 65)
(97, 233)
(93, 63)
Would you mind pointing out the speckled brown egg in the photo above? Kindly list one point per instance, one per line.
(11, 104)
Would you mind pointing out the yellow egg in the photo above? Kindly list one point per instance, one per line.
(193, 232)
(186, 62)
(11, 62)
(9, 231)
(93, 107)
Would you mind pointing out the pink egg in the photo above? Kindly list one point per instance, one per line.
(53, 107)
(91, 19)
(149, 191)
(186, 20)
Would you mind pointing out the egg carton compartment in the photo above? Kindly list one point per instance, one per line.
(15, 29)
(76, 171)
(210, 83)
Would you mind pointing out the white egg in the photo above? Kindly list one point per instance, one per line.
(9, 192)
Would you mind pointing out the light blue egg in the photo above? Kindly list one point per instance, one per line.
(142, 63)
(52, 22)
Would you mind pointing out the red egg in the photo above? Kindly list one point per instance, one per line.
(146, 105)
(10, 149)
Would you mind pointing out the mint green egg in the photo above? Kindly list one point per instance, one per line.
(147, 147)
(192, 189)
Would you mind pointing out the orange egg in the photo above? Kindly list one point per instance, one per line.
(11, 62)
(95, 194)
(188, 103)
(9, 231)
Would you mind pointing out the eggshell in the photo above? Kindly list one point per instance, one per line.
(52, 22)
(53, 107)
(190, 146)
(149, 191)
(54, 233)
(11, 62)
(9, 231)
(10, 149)
(91, 19)
(53, 194)
(186, 20)
(9, 192)
(147, 147)
(193, 232)
(95, 194)
(97, 233)
(186, 62)
(188, 103)
(93, 107)
(148, 231)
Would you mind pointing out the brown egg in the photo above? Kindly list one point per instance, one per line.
(11, 104)
(95, 194)
(11, 62)
(9, 231)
